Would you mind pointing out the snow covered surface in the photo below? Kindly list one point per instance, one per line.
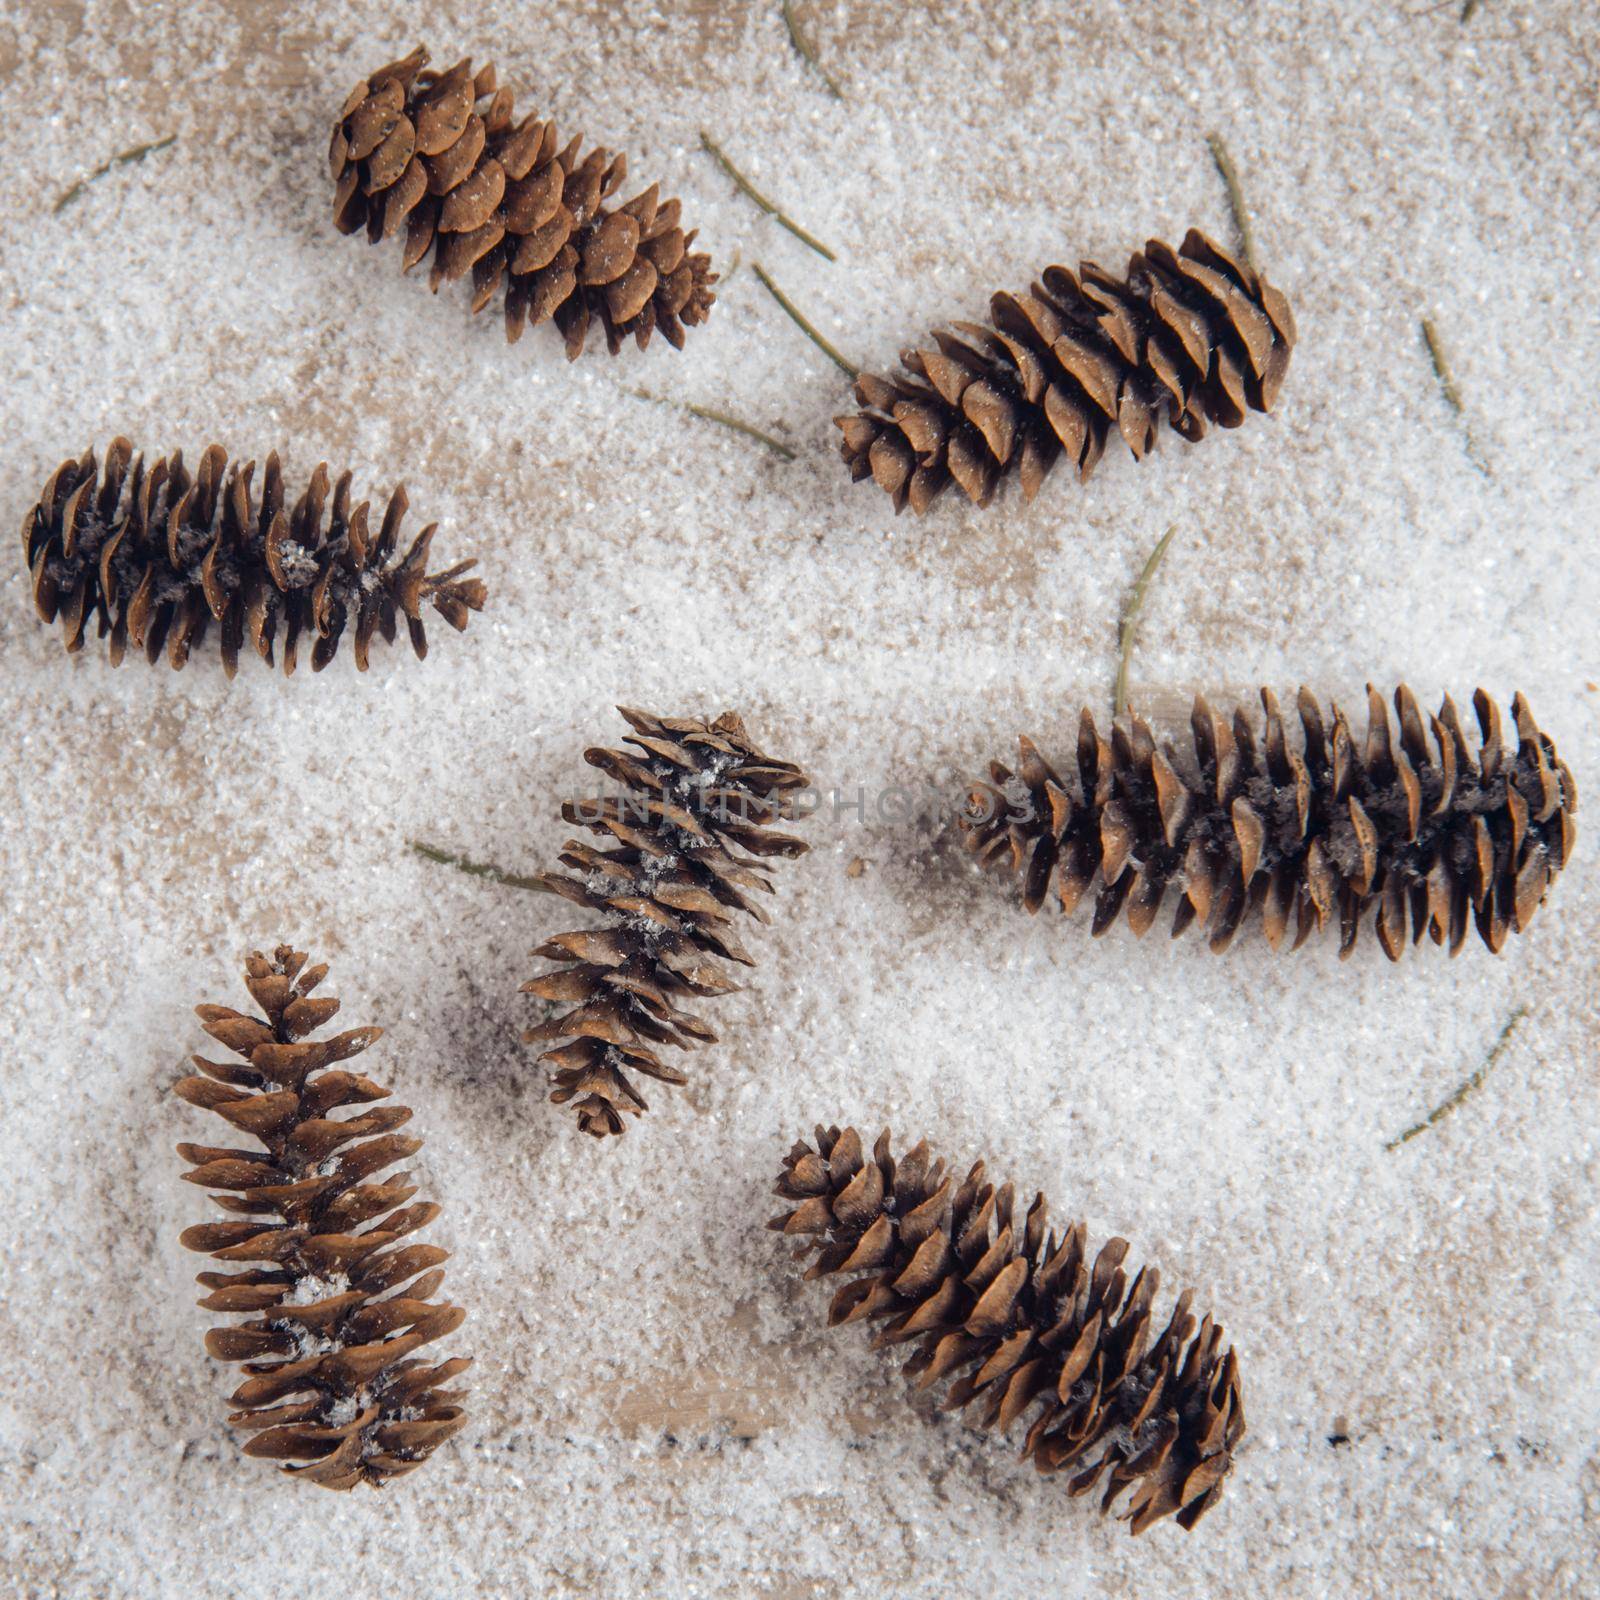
(657, 1407)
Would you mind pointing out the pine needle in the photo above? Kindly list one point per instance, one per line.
(1241, 212)
(1441, 366)
(474, 869)
(709, 414)
(749, 430)
(800, 321)
(783, 220)
(1474, 1083)
(1130, 619)
(798, 39)
(1447, 387)
(122, 159)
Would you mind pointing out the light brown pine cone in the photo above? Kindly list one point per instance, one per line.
(336, 1309)
(1020, 1319)
(1056, 369)
(1411, 824)
(684, 847)
(439, 154)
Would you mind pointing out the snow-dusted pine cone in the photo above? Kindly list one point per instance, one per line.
(1056, 369)
(1019, 1318)
(439, 154)
(1423, 828)
(335, 1310)
(157, 554)
(687, 839)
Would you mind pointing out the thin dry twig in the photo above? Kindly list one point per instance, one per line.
(1241, 212)
(800, 321)
(725, 419)
(475, 869)
(783, 220)
(798, 39)
(1475, 1082)
(1130, 619)
(123, 158)
(1447, 386)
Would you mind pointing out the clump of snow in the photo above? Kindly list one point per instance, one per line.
(299, 565)
(344, 1410)
(306, 1341)
(312, 1288)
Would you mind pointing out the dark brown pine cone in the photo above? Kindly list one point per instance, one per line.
(335, 1312)
(1020, 1318)
(158, 555)
(1232, 824)
(685, 842)
(1059, 366)
(440, 154)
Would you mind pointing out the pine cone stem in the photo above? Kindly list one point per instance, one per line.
(1057, 368)
(335, 1313)
(688, 837)
(1420, 826)
(439, 154)
(1018, 1318)
(158, 556)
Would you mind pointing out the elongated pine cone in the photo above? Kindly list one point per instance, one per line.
(157, 555)
(1429, 830)
(1020, 1317)
(1058, 367)
(685, 844)
(439, 154)
(336, 1313)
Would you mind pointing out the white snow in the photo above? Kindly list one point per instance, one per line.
(312, 1289)
(657, 1406)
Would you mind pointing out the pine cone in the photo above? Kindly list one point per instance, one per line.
(1234, 825)
(1063, 363)
(330, 1384)
(1021, 1317)
(697, 795)
(158, 555)
(418, 148)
